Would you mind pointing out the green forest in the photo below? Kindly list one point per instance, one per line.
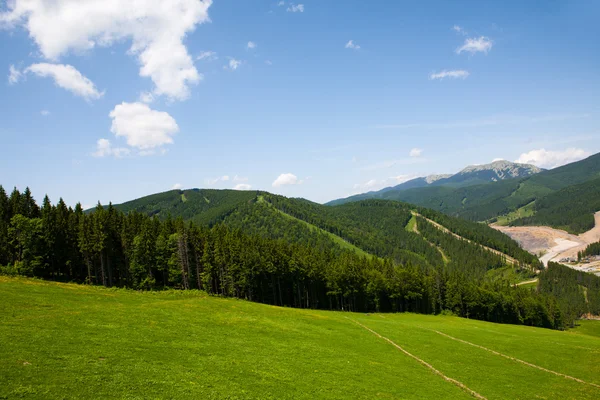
(134, 250)
(571, 209)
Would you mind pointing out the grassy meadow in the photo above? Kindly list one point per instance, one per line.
(71, 341)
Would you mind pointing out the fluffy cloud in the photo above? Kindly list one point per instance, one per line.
(295, 8)
(281, 4)
(105, 149)
(551, 159)
(352, 45)
(481, 44)
(177, 186)
(144, 128)
(238, 178)
(416, 152)
(207, 55)
(68, 78)
(213, 181)
(251, 45)
(455, 74)
(45, 113)
(14, 75)
(242, 186)
(233, 64)
(287, 179)
(156, 29)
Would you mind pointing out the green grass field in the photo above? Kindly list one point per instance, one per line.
(69, 341)
(526, 211)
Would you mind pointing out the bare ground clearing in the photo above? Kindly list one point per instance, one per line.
(555, 244)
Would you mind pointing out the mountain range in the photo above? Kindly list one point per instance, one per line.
(472, 175)
(572, 188)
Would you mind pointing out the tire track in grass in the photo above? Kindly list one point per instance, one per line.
(425, 363)
(516, 359)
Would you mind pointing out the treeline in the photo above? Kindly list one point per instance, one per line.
(577, 292)
(110, 248)
(571, 208)
(592, 249)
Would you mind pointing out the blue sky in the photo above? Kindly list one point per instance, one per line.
(314, 99)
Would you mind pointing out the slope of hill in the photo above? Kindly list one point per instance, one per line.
(487, 201)
(373, 226)
(75, 341)
(469, 176)
(571, 209)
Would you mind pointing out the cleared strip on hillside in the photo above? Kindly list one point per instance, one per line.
(516, 359)
(448, 231)
(414, 227)
(344, 244)
(425, 363)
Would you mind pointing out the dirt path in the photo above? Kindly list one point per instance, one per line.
(554, 243)
(446, 230)
(425, 363)
(517, 360)
(526, 282)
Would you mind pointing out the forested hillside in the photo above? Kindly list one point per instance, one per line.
(372, 226)
(577, 292)
(571, 209)
(487, 201)
(111, 248)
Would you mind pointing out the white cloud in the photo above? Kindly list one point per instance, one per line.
(481, 44)
(45, 113)
(144, 128)
(268, 62)
(295, 8)
(233, 64)
(68, 78)
(156, 29)
(457, 73)
(281, 4)
(416, 152)
(459, 29)
(207, 55)
(14, 75)
(105, 149)
(238, 178)
(177, 186)
(242, 186)
(352, 45)
(287, 179)
(223, 178)
(146, 97)
(551, 159)
(251, 45)
(497, 159)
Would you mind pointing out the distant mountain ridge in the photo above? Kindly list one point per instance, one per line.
(565, 197)
(472, 175)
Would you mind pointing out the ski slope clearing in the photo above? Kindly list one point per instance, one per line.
(74, 341)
